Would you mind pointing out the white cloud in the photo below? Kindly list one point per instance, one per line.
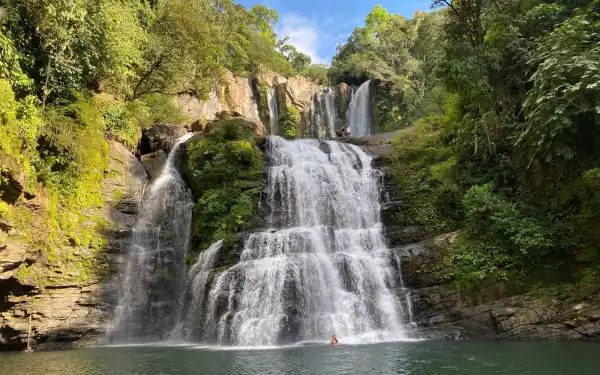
(303, 34)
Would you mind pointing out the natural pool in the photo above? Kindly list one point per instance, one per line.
(414, 358)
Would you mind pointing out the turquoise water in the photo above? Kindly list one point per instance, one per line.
(416, 358)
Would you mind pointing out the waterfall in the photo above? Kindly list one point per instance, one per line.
(199, 277)
(321, 267)
(322, 118)
(359, 113)
(151, 295)
(329, 98)
(273, 113)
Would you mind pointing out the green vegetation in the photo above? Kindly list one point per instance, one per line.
(3, 209)
(62, 153)
(301, 64)
(504, 102)
(398, 54)
(290, 121)
(225, 168)
(262, 96)
(75, 73)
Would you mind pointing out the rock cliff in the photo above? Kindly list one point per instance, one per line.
(70, 310)
(492, 312)
(268, 101)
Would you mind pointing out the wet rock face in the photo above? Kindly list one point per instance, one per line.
(154, 162)
(74, 313)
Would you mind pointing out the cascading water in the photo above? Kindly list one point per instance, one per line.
(359, 112)
(316, 112)
(329, 98)
(321, 268)
(151, 295)
(322, 118)
(198, 281)
(273, 113)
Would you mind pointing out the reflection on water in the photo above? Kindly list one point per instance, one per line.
(418, 358)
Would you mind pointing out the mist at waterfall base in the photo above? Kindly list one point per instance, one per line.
(416, 358)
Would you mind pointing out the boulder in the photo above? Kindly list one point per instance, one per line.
(154, 162)
(12, 255)
(5, 225)
(125, 180)
(160, 137)
(198, 125)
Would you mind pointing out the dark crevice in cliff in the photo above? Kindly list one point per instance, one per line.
(12, 287)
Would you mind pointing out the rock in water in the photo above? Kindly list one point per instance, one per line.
(154, 162)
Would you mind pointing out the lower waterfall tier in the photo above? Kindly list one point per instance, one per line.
(322, 269)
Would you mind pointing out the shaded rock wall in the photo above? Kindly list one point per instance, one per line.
(491, 312)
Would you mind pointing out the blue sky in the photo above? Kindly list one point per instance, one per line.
(316, 26)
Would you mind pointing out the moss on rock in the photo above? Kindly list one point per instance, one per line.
(290, 121)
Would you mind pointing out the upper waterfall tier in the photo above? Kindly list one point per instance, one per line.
(321, 269)
(270, 102)
(359, 113)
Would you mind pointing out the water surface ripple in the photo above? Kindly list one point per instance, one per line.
(415, 358)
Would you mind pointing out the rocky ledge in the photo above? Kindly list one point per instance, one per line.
(441, 309)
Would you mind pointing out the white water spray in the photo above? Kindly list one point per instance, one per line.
(273, 112)
(329, 98)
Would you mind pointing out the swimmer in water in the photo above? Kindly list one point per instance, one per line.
(334, 341)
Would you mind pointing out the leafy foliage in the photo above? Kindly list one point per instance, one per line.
(505, 147)
(425, 171)
(225, 177)
(75, 44)
(290, 121)
(563, 107)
